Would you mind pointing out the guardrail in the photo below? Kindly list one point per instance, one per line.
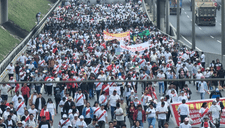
(20, 48)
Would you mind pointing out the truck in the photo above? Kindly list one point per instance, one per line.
(205, 12)
(173, 7)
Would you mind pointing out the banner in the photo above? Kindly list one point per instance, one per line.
(133, 48)
(194, 107)
(119, 36)
(111, 89)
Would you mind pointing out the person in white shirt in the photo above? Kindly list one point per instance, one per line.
(182, 96)
(20, 107)
(112, 102)
(81, 123)
(102, 117)
(15, 98)
(173, 96)
(10, 69)
(75, 120)
(151, 115)
(4, 89)
(80, 100)
(119, 114)
(203, 60)
(161, 114)
(202, 87)
(64, 122)
(6, 113)
(185, 124)
(61, 104)
(183, 110)
(161, 76)
(33, 111)
(215, 111)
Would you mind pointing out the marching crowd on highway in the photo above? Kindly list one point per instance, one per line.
(71, 47)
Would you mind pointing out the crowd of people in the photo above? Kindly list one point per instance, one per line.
(71, 47)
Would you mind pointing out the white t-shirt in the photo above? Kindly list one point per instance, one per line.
(161, 76)
(4, 89)
(79, 99)
(162, 109)
(33, 112)
(21, 109)
(62, 103)
(113, 100)
(203, 58)
(99, 113)
(15, 99)
(183, 125)
(215, 109)
(152, 114)
(119, 111)
(81, 123)
(10, 69)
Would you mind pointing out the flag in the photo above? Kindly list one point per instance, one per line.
(144, 33)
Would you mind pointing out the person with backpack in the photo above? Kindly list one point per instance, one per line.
(206, 123)
(216, 93)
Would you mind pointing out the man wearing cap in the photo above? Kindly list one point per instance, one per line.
(183, 110)
(206, 123)
(68, 105)
(80, 100)
(81, 123)
(161, 114)
(64, 122)
(215, 111)
(43, 123)
(185, 124)
(102, 117)
(182, 96)
(93, 124)
(74, 120)
(113, 99)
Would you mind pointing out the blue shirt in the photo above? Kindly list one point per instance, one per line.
(139, 115)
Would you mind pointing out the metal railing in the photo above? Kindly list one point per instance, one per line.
(91, 81)
(6, 61)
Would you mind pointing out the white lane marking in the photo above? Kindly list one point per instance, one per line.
(200, 28)
(212, 37)
(219, 41)
(187, 16)
(190, 43)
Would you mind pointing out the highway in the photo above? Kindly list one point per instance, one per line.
(208, 38)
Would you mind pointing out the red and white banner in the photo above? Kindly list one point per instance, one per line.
(194, 107)
(133, 48)
(119, 36)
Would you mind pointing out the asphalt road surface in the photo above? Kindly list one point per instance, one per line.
(208, 38)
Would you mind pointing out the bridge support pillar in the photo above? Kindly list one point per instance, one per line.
(161, 14)
(3, 11)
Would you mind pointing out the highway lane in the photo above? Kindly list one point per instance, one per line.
(208, 38)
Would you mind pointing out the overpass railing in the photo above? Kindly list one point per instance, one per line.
(21, 47)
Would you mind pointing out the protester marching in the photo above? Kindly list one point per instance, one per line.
(106, 42)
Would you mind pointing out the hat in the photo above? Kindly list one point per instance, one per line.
(19, 122)
(161, 98)
(70, 125)
(182, 92)
(186, 119)
(75, 114)
(70, 98)
(81, 117)
(64, 116)
(132, 90)
(206, 117)
(1, 118)
(136, 97)
(7, 107)
(214, 101)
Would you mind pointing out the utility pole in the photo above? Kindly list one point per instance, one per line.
(223, 30)
(193, 24)
(178, 20)
(153, 10)
(167, 17)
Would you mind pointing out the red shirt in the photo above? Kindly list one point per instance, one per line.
(106, 90)
(25, 91)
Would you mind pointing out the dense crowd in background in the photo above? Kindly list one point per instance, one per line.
(71, 47)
